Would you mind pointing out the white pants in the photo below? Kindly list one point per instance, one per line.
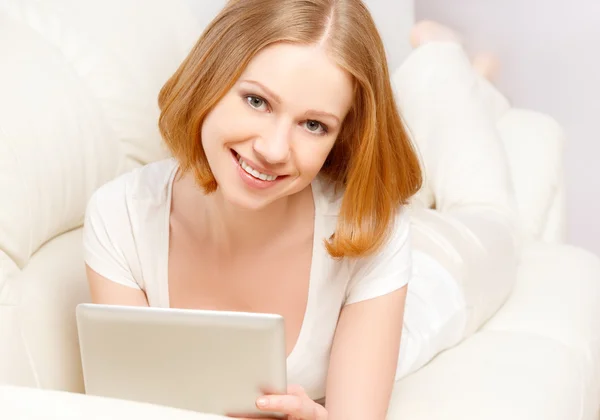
(464, 220)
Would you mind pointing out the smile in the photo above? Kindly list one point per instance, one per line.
(256, 174)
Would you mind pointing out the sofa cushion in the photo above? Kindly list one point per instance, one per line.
(534, 145)
(79, 106)
(499, 375)
(54, 147)
(557, 296)
(537, 358)
(39, 335)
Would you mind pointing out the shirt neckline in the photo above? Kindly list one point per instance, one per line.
(316, 259)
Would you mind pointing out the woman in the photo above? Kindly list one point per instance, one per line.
(287, 194)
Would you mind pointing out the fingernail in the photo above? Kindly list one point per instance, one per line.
(262, 402)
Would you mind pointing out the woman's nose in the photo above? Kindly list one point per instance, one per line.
(273, 146)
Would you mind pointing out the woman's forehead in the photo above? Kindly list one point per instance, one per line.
(304, 73)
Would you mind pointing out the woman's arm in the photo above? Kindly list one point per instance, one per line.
(364, 358)
(108, 292)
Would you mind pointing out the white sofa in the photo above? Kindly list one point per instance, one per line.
(78, 87)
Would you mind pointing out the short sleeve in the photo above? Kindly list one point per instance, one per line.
(107, 238)
(386, 271)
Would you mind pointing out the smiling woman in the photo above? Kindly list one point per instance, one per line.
(272, 134)
(286, 194)
(312, 64)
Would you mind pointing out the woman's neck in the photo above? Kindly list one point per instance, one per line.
(234, 230)
(238, 230)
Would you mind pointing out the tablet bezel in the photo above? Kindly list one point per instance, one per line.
(217, 362)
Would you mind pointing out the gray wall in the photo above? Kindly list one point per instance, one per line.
(550, 53)
(394, 18)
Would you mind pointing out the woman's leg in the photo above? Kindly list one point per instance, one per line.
(466, 246)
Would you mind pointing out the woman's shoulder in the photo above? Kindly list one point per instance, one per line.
(148, 182)
(122, 217)
(376, 274)
(328, 199)
(139, 190)
(328, 202)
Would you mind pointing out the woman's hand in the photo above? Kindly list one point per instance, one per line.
(296, 405)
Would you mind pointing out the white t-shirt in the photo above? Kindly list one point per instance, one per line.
(126, 240)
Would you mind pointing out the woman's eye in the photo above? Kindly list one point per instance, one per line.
(256, 102)
(315, 127)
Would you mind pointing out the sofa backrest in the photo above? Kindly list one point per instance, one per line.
(78, 88)
(78, 105)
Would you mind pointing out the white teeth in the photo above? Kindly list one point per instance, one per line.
(254, 172)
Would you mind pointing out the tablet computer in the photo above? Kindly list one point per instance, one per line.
(208, 361)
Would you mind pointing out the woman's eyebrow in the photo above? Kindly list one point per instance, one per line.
(322, 114)
(272, 94)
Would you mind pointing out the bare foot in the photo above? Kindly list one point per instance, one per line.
(487, 65)
(427, 30)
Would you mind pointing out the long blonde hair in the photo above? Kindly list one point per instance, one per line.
(373, 159)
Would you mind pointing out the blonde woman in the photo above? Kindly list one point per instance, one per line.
(287, 193)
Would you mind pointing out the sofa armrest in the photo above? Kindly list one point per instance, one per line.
(534, 146)
(537, 358)
(557, 295)
(555, 228)
(39, 332)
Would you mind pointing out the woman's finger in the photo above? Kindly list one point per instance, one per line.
(296, 390)
(300, 407)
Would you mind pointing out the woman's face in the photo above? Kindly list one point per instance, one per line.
(270, 134)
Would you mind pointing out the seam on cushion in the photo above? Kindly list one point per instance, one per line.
(588, 356)
(550, 219)
(30, 214)
(20, 269)
(544, 220)
(5, 281)
(30, 361)
(53, 237)
(28, 355)
(539, 335)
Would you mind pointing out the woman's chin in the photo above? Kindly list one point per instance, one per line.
(248, 199)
